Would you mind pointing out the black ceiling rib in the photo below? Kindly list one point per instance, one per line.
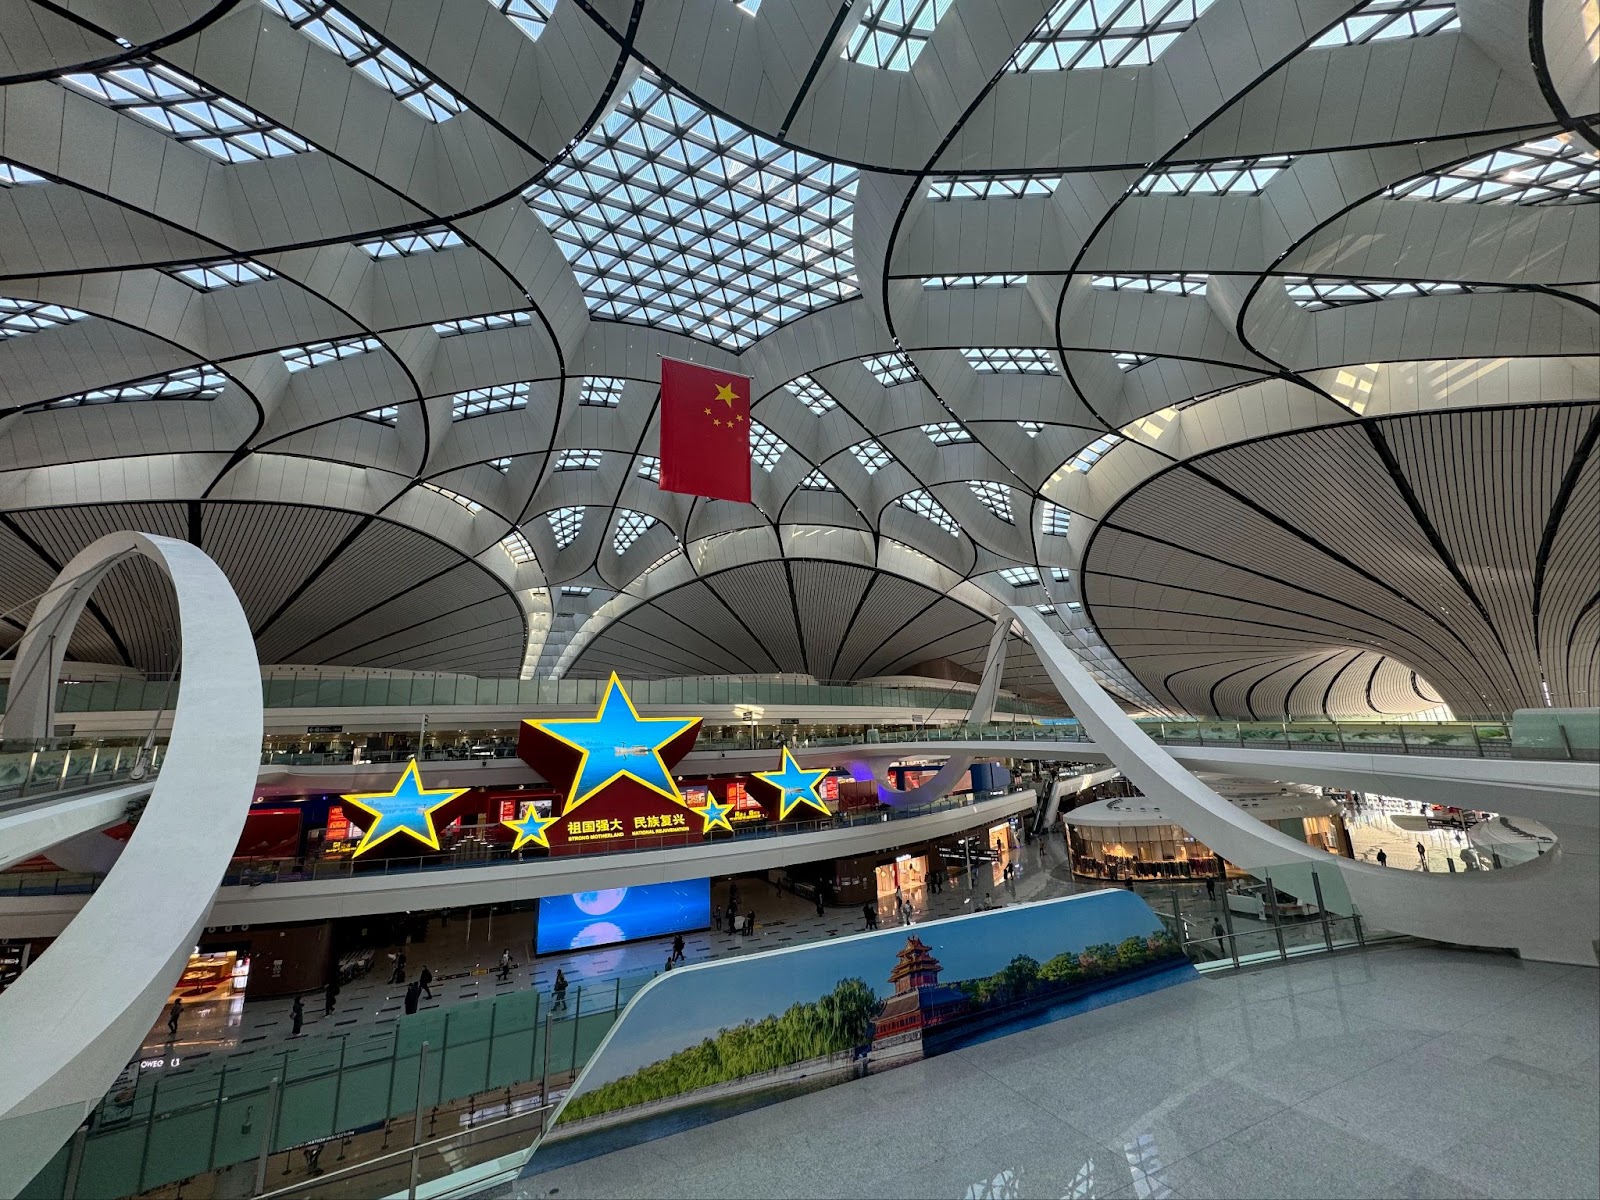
(1327, 692)
(824, 52)
(864, 658)
(362, 524)
(674, 617)
(794, 609)
(55, 566)
(1166, 680)
(413, 586)
(1582, 126)
(849, 626)
(1211, 692)
(357, 647)
(1288, 695)
(660, 652)
(1558, 510)
(1249, 695)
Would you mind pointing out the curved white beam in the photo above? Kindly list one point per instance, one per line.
(1549, 909)
(75, 1016)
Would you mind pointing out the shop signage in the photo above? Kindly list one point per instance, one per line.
(324, 728)
(615, 772)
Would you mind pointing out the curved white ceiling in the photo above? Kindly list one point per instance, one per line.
(368, 299)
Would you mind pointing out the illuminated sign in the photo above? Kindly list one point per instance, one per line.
(406, 808)
(615, 770)
(795, 786)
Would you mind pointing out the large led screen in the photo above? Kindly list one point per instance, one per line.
(605, 918)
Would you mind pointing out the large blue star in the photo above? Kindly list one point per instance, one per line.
(714, 815)
(407, 808)
(796, 785)
(532, 828)
(618, 743)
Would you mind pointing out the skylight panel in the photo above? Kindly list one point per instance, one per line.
(1032, 428)
(1552, 170)
(631, 526)
(927, 507)
(472, 506)
(1044, 610)
(1053, 522)
(1020, 576)
(530, 16)
(871, 456)
(1083, 34)
(576, 590)
(600, 391)
(1093, 452)
(314, 354)
(334, 29)
(462, 325)
(748, 7)
(478, 402)
(943, 433)
(500, 464)
(817, 482)
(1060, 574)
(891, 370)
(388, 415)
(1004, 361)
(1162, 283)
(1318, 292)
(673, 217)
(1224, 177)
(1128, 360)
(11, 175)
(893, 33)
(996, 497)
(951, 283)
(416, 241)
(187, 111)
(663, 560)
(518, 547)
(18, 317)
(191, 383)
(577, 460)
(811, 393)
(985, 187)
(1385, 20)
(649, 468)
(766, 447)
(565, 524)
(224, 273)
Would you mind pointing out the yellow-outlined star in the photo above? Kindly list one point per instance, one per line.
(600, 763)
(796, 786)
(539, 832)
(715, 815)
(726, 394)
(414, 816)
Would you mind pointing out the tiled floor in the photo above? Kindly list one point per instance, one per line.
(1405, 1071)
(463, 956)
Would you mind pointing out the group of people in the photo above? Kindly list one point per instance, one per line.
(745, 925)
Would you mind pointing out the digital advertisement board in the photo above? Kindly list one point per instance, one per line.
(605, 918)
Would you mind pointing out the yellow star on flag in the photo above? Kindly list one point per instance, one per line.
(726, 394)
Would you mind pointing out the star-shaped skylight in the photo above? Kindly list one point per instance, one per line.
(673, 217)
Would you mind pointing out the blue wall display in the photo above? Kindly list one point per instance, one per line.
(605, 918)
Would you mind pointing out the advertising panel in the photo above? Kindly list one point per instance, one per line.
(605, 918)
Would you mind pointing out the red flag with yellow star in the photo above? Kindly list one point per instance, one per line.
(705, 431)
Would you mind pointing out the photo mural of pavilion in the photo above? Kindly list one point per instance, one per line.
(712, 1040)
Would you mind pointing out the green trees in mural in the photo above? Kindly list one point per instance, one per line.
(1023, 976)
(837, 1021)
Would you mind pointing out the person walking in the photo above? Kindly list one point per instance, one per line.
(1211, 889)
(750, 923)
(413, 994)
(558, 993)
(330, 996)
(425, 979)
(820, 911)
(1422, 857)
(297, 1017)
(868, 917)
(173, 1014)
(1383, 859)
(677, 949)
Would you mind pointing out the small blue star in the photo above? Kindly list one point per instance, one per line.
(796, 785)
(532, 828)
(618, 743)
(715, 815)
(406, 808)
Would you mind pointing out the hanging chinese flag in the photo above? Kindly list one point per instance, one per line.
(705, 431)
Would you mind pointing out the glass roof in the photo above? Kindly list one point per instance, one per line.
(942, 433)
(1383, 20)
(518, 547)
(600, 391)
(996, 497)
(766, 447)
(1053, 522)
(333, 28)
(1105, 33)
(1166, 284)
(1224, 177)
(891, 369)
(415, 241)
(1091, 454)
(871, 456)
(673, 217)
(187, 110)
(1552, 170)
(1020, 576)
(578, 460)
(530, 16)
(388, 415)
(927, 507)
(817, 482)
(466, 502)
(565, 524)
(462, 325)
(811, 393)
(18, 317)
(12, 175)
(631, 526)
(298, 358)
(649, 468)
(892, 33)
(224, 273)
(477, 402)
(191, 383)
(983, 187)
(1318, 292)
(950, 283)
(996, 360)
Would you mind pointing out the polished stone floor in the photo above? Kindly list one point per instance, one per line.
(1406, 1071)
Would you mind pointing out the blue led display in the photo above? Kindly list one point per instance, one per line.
(606, 918)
